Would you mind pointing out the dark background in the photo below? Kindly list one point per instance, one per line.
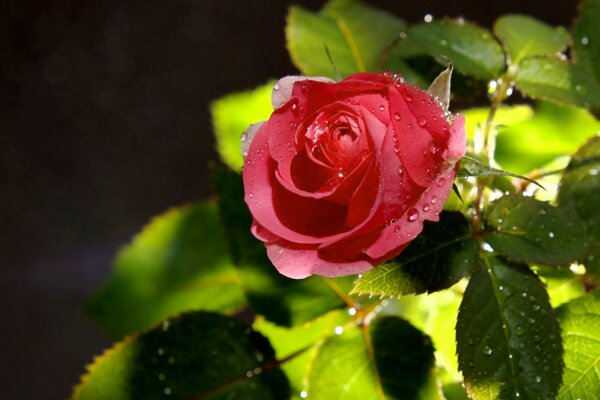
(104, 124)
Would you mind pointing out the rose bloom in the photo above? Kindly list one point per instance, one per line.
(343, 174)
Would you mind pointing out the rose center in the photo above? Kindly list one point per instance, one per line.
(336, 140)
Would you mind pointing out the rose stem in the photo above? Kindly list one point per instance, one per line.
(501, 93)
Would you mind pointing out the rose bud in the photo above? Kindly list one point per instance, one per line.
(343, 174)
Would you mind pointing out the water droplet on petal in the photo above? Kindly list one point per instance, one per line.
(413, 214)
(381, 108)
(421, 121)
(426, 207)
(276, 87)
(397, 116)
(408, 98)
(434, 199)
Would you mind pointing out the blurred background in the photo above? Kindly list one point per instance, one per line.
(104, 123)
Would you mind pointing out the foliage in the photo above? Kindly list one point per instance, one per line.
(512, 267)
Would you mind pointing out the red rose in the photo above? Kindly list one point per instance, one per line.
(343, 174)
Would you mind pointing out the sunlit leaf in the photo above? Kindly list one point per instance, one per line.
(301, 340)
(231, 116)
(580, 325)
(198, 355)
(389, 359)
(472, 50)
(438, 258)
(355, 35)
(580, 190)
(280, 299)
(508, 339)
(527, 230)
(524, 36)
(435, 314)
(177, 263)
(537, 139)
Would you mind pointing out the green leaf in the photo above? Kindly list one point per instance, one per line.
(280, 299)
(528, 230)
(300, 340)
(472, 50)
(586, 38)
(438, 258)
(508, 339)
(435, 314)
(470, 166)
(557, 80)
(580, 324)
(196, 355)
(179, 262)
(356, 35)
(580, 191)
(389, 359)
(561, 129)
(233, 114)
(524, 37)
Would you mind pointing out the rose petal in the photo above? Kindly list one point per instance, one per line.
(282, 89)
(300, 263)
(457, 144)
(258, 188)
(410, 225)
(414, 141)
(248, 136)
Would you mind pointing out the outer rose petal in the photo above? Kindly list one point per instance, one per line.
(282, 90)
(411, 224)
(457, 144)
(301, 263)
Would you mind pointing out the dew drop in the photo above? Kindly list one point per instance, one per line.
(250, 195)
(381, 108)
(400, 171)
(408, 98)
(413, 214)
(519, 331)
(276, 87)
(303, 394)
(551, 234)
(167, 391)
(426, 207)
(352, 311)
(538, 379)
(280, 251)
(434, 199)
(443, 42)
(486, 247)
(421, 121)
(585, 40)
(338, 330)
(428, 18)
(441, 181)
(397, 116)
(487, 351)
(397, 229)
